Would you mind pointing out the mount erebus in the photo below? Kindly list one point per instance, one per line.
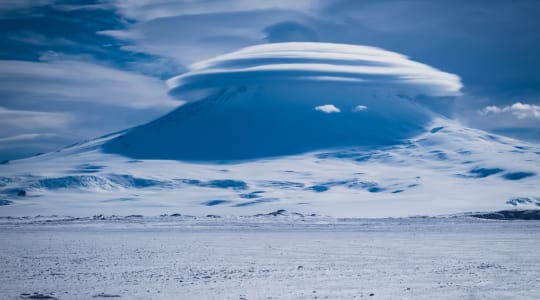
(318, 128)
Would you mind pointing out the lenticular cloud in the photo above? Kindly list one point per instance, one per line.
(360, 66)
(289, 98)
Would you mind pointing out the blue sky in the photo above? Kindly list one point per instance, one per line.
(75, 70)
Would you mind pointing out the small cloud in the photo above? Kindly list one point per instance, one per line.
(518, 109)
(360, 108)
(328, 108)
(120, 34)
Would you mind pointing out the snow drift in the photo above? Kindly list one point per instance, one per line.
(290, 98)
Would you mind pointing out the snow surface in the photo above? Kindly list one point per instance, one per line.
(269, 258)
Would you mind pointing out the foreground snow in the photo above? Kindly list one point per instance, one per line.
(269, 258)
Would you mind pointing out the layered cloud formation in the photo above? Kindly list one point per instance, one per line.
(305, 61)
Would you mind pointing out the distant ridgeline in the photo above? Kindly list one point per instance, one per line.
(289, 98)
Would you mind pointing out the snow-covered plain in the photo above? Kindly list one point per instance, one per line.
(269, 257)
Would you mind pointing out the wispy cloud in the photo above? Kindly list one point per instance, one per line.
(23, 138)
(83, 82)
(328, 108)
(360, 108)
(46, 105)
(145, 10)
(18, 120)
(192, 37)
(38, 39)
(26, 132)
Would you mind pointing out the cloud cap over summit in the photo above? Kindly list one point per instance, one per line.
(361, 66)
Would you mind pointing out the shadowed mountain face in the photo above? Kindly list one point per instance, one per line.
(290, 98)
(254, 123)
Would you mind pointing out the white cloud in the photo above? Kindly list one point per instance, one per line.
(145, 10)
(360, 108)
(518, 110)
(28, 120)
(328, 108)
(190, 37)
(357, 66)
(83, 82)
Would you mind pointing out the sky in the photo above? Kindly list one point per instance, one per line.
(75, 70)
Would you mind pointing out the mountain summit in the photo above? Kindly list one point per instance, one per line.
(290, 98)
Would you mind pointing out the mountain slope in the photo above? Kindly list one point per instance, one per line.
(448, 169)
(250, 124)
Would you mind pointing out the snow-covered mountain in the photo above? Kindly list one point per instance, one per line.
(289, 98)
(307, 127)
